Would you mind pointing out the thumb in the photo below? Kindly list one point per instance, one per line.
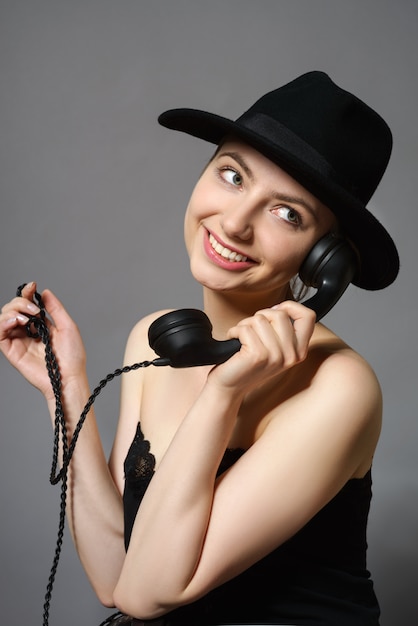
(55, 309)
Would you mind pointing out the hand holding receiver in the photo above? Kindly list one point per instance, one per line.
(280, 335)
(272, 341)
(183, 338)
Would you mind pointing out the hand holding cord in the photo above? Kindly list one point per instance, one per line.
(37, 328)
(180, 339)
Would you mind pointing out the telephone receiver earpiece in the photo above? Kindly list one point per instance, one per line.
(183, 338)
(329, 267)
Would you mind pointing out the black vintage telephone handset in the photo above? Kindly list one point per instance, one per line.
(183, 338)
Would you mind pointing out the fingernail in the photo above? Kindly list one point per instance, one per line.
(11, 321)
(22, 318)
(33, 308)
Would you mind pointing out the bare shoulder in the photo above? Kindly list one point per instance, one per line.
(334, 400)
(138, 337)
(342, 370)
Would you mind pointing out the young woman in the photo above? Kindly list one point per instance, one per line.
(239, 493)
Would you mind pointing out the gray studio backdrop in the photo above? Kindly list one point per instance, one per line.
(92, 199)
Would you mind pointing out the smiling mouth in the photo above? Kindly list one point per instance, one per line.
(226, 253)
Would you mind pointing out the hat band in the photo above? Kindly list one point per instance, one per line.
(275, 133)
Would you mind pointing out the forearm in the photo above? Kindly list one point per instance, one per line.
(169, 532)
(94, 506)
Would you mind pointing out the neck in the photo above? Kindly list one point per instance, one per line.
(226, 310)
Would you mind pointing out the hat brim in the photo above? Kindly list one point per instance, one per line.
(379, 260)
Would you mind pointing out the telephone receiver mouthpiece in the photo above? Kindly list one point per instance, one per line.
(184, 338)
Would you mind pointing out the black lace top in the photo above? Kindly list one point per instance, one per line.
(317, 577)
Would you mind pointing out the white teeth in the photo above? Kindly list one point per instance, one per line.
(225, 252)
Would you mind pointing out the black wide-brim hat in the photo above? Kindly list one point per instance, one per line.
(329, 141)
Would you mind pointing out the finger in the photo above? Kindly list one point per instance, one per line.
(253, 345)
(23, 297)
(9, 322)
(21, 304)
(28, 290)
(281, 336)
(303, 321)
(269, 344)
(295, 324)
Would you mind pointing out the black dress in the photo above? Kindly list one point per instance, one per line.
(318, 577)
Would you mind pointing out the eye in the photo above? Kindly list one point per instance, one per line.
(289, 214)
(231, 176)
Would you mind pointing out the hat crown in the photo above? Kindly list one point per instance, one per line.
(353, 139)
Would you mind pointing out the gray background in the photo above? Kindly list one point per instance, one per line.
(92, 199)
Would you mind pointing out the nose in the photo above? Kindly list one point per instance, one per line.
(237, 221)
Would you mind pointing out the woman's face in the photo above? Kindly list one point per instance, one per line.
(249, 225)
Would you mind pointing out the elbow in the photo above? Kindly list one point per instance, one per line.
(121, 603)
(108, 602)
(138, 605)
(142, 598)
(129, 602)
(105, 598)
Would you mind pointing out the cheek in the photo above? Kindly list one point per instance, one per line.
(198, 209)
(286, 255)
(192, 221)
(187, 229)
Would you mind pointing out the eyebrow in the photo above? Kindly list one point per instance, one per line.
(240, 160)
(278, 196)
(296, 200)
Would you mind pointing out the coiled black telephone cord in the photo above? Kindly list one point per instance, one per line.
(37, 328)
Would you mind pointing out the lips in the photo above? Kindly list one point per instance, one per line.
(226, 253)
(225, 256)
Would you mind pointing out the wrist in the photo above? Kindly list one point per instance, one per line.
(75, 392)
(224, 395)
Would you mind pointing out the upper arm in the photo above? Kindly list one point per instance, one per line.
(137, 349)
(310, 449)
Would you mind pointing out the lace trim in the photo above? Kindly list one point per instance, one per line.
(139, 464)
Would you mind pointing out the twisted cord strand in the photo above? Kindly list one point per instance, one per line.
(37, 328)
(111, 618)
